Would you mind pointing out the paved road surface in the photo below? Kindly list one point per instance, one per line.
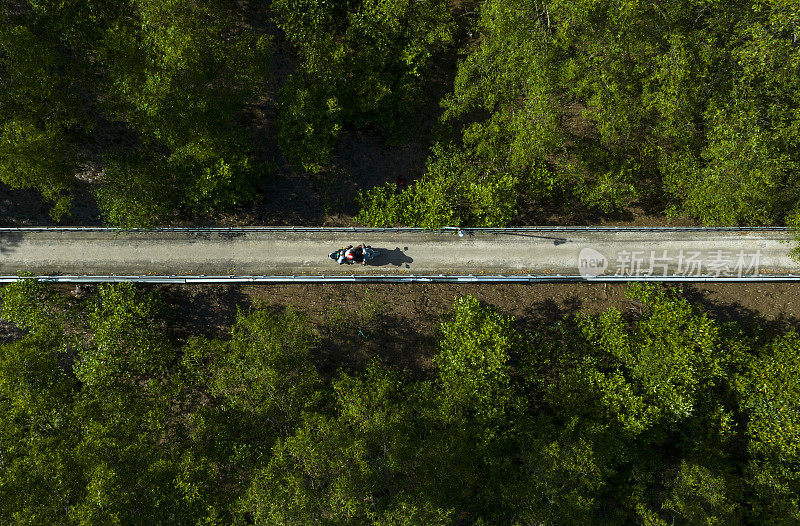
(259, 253)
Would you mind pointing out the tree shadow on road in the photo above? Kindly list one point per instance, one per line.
(556, 240)
(9, 240)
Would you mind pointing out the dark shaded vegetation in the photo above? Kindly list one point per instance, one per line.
(527, 110)
(658, 414)
(142, 99)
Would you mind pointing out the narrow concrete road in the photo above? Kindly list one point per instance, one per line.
(94, 252)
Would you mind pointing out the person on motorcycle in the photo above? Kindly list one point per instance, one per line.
(339, 255)
(356, 255)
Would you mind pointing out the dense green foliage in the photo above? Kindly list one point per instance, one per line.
(617, 101)
(659, 415)
(362, 64)
(684, 106)
(454, 191)
(149, 92)
(38, 106)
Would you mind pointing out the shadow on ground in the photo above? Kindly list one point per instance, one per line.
(556, 240)
(546, 313)
(9, 332)
(28, 208)
(749, 319)
(200, 310)
(350, 342)
(8, 241)
(395, 257)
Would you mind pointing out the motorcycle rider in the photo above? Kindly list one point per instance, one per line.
(339, 255)
(356, 255)
(350, 254)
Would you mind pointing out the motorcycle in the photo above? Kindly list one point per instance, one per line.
(370, 254)
(367, 255)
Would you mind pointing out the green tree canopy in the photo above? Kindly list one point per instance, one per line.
(617, 102)
(151, 93)
(771, 395)
(655, 413)
(362, 64)
(38, 107)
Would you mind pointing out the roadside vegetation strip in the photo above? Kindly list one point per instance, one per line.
(442, 278)
(262, 413)
(408, 229)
